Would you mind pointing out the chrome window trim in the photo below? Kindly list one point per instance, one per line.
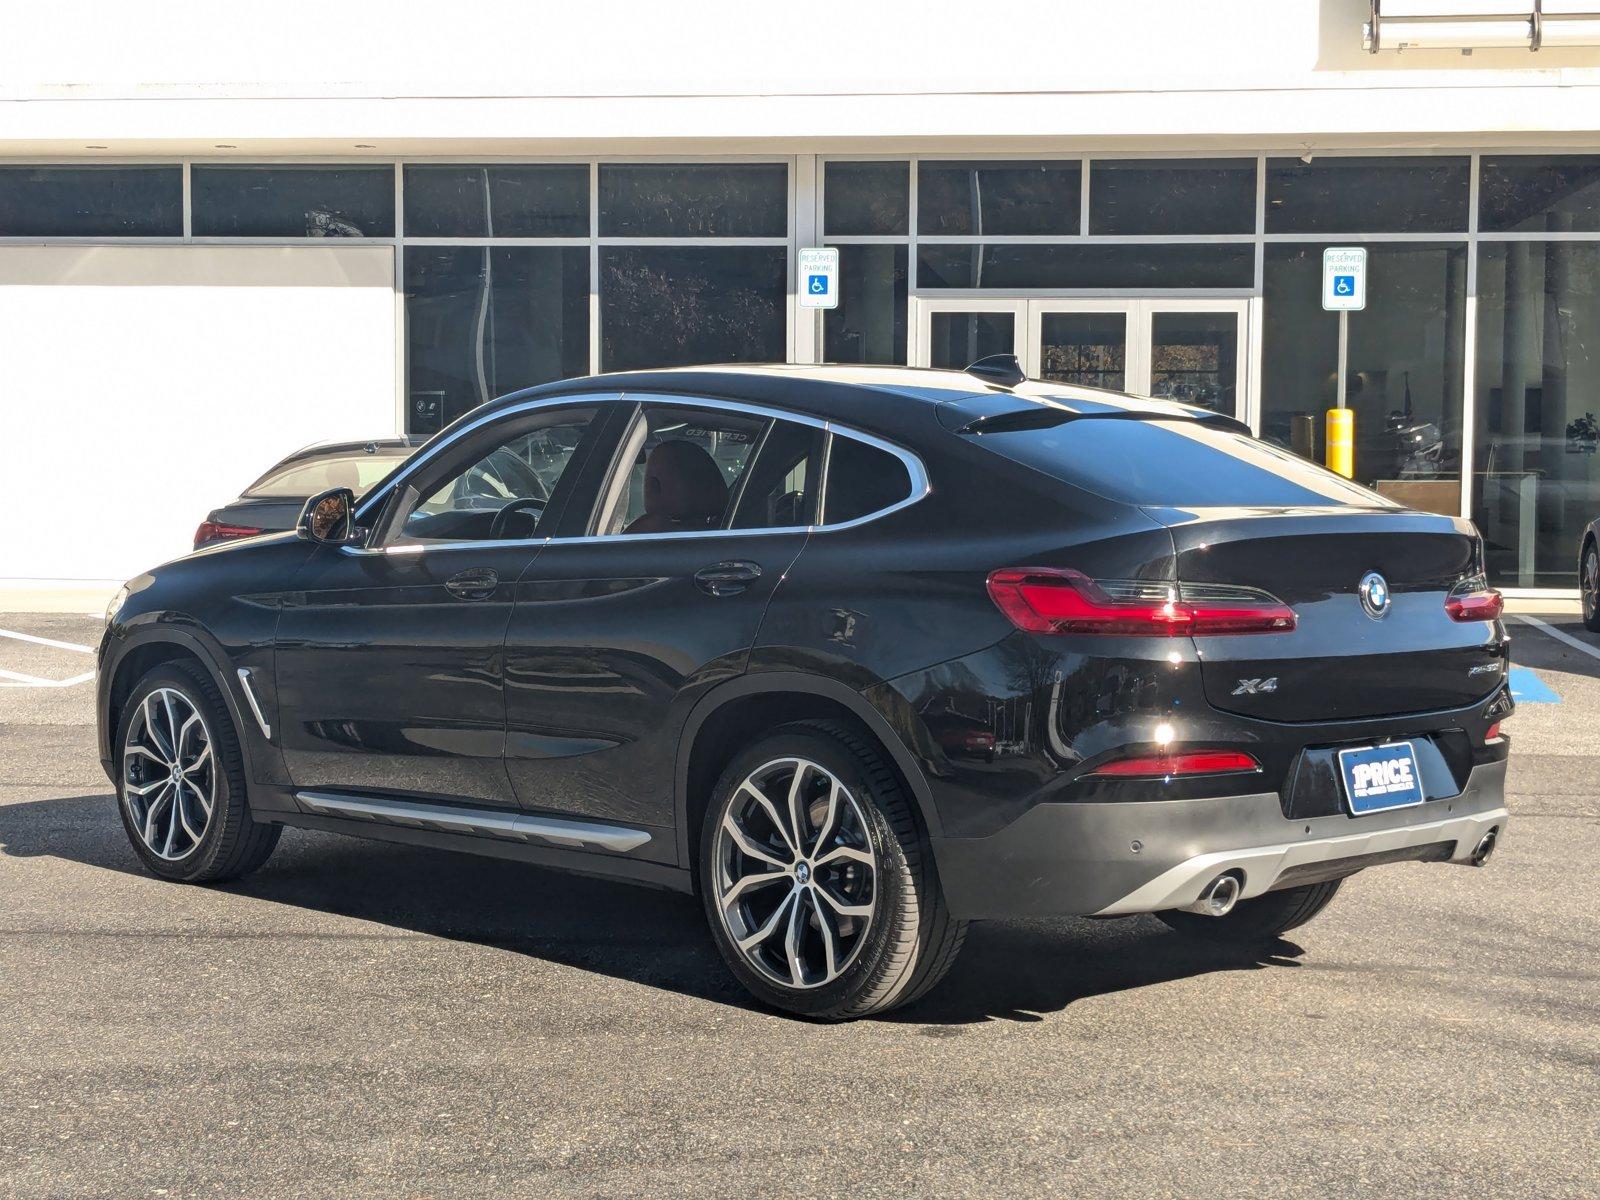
(918, 474)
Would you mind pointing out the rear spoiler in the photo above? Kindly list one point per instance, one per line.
(1038, 416)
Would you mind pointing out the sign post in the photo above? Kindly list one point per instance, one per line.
(819, 277)
(1344, 290)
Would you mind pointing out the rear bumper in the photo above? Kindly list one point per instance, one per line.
(1122, 857)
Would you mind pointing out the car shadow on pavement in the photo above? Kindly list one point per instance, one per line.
(1007, 970)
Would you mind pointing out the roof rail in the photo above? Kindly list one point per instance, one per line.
(1003, 369)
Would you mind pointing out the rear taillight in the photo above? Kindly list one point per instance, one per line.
(1192, 762)
(1492, 734)
(1474, 600)
(1054, 600)
(215, 531)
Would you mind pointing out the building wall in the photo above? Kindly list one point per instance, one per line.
(142, 386)
(1472, 328)
(623, 74)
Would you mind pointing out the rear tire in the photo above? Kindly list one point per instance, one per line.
(1257, 921)
(194, 825)
(852, 923)
(1589, 586)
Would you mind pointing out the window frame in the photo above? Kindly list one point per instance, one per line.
(632, 406)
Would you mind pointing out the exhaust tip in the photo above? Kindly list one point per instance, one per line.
(1219, 897)
(1485, 847)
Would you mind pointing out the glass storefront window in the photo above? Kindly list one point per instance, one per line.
(1539, 194)
(670, 306)
(292, 201)
(869, 326)
(1403, 194)
(1147, 268)
(1166, 196)
(91, 201)
(543, 200)
(1403, 373)
(872, 198)
(482, 321)
(694, 200)
(978, 198)
(1535, 468)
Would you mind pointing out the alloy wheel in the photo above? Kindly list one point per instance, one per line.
(794, 874)
(1591, 581)
(169, 774)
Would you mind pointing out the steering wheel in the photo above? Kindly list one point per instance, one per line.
(497, 527)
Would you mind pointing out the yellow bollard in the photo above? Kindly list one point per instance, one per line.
(1341, 441)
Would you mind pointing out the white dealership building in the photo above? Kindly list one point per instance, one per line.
(230, 230)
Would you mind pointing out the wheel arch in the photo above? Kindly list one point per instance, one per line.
(142, 652)
(719, 724)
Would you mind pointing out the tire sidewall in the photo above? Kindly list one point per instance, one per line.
(228, 773)
(1590, 601)
(892, 882)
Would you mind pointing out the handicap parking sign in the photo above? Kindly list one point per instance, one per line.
(818, 277)
(1344, 278)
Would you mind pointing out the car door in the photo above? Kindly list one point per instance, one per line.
(640, 604)
(389, 663)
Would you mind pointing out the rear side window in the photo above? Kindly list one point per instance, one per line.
(678, 470)
(781, 491)
(1176, 464)
(862, 479)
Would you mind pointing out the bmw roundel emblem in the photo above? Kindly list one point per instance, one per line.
(1374, 593)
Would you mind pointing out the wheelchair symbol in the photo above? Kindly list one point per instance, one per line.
(817, 285)
(1344, 285)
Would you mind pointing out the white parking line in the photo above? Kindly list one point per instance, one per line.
(1561, 635)
(20, 680)
(44, 641)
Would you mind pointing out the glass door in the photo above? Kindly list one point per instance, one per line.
(1088, 343)
(1192, 351)
(1187, 350)
(1196, 352)
(954, 334)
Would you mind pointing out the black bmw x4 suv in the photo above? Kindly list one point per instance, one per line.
(858, 655)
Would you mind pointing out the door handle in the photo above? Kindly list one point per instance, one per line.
(475, 583)
(727, 578)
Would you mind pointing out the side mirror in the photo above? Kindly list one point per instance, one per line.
(329, 517)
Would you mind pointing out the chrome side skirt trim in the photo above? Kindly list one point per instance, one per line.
(255, 705)
(477, 821)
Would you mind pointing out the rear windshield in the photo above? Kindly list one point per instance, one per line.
(1177, 464)
(357, 471)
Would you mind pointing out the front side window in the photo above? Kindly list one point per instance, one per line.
(502, 491)
(678, 471)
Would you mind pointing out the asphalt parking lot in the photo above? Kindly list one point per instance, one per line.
(363, 1019)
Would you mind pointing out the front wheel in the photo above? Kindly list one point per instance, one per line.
(1589, 586)
(818, 882)
(180, 781)
(1253, 922)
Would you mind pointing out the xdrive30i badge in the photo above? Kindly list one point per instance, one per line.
(1254, 687)
(1374, 593)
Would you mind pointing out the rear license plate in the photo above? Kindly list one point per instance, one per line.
(1380, 777)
